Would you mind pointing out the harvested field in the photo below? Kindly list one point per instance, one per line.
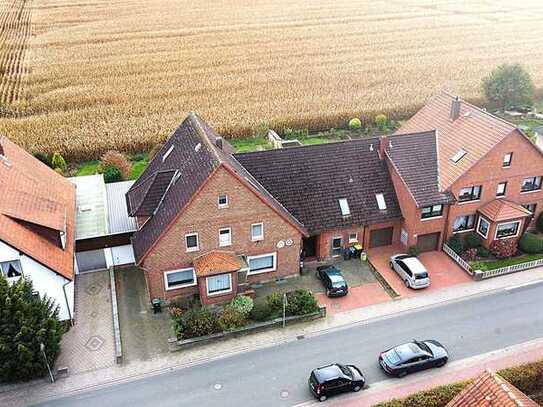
(123, 73)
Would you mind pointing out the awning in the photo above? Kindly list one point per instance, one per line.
(501, 209)
(217, 262)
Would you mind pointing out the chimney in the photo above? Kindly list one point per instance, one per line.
(383, 144)
(218, 142)
(455, 109)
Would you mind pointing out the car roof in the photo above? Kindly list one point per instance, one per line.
(408, 350)
(336, 278)
(328, 372)
(332, 271)
(414, 265)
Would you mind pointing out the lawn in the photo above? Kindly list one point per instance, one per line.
(250, 144)
(496, 264)
(139, 163)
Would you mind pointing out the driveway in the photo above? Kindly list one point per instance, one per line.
(144, 335)
(444, 272)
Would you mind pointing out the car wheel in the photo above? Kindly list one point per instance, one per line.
(403, 373)
(406, 283)
(322, 398)
(441, 362)
(391, 266)
(327, 292)
(356, 388)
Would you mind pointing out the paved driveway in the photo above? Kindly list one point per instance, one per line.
(443, 271)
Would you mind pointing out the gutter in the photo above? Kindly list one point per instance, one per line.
(67, 303)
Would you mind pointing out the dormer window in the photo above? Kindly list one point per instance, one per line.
(222, 201)
(458, 156)
(167, 153)
(381, 201)
(344, 206)
(507, 158)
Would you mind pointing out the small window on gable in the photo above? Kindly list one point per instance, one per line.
(225, 237)
(381, 201)
(223, 201)
(167, 153)
(507, 158)
(257, 231)
(353, 237)
(344, 206)
(191, 242)
(458, 156)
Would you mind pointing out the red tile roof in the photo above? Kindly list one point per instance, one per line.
(501, 209)
(216, 262)
(475, 131)
(33, 194)
(490, 390)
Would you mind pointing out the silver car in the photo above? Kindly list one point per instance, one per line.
(410, 270)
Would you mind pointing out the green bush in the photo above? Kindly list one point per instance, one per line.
(301, 302)
(112, 174)
(232, 319)
(381, 122)
(472, 241)
(262, 130)
(196, 322)
(527, 378)
(57, 161)
(456, 244)
(530, 243)
(483, 251)
(413, 251)
(291, 134)
(502, 249)
(261, 312)
(243, 304)
(44, 158)
(275, 302)
(436, 397)
(539, 223)
(355, 123)
(469, 254)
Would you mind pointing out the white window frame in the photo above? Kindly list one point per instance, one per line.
(465, 230)
(222, 292)
(431, 211)
(192, 249)
(381, 204)
(479, 223)
(167, 153)
(507, 164)
(166, 273)
(518, 222)
(472, 187)
(268, 270)
(502, 195)
(229, 243)
(531, 190)
(340, 246)
(259, 237)
(219, 204)
(355, 240)
(344, 207)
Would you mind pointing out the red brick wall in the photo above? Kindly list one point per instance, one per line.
(204, 217)
(488, 172)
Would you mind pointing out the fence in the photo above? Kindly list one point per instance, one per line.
(461, 262)
(481, 275)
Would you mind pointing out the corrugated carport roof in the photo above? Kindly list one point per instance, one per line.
(119, 221)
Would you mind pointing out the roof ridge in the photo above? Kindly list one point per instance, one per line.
(196, 121)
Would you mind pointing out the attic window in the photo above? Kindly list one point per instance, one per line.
(381, 201)
(458, 156)
(167, 153)
(198, 147)
(344, 206)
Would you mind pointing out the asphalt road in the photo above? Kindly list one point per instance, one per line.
(277, 376)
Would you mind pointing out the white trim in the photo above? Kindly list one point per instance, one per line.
(502, 195)
(225, 205)
(340, 247)
(506, 223)
(166, 273)
(221, 244)
(531, 192)
(261, 236)
(167, 153)
(510, 160)
(273, 268)
(432, 218)
(467, 202)
(381, 204)
(479, 222)
(463, 231)
(192, 249)
(344, 207)
(355, 239)
(222, 292)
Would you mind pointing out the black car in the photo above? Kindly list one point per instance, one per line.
(412, 357)
(333, 379)
(333, 281)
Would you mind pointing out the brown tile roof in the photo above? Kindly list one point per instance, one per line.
(36, 204)
(216, 262)
(309, 181)
(490, 390)
(416, 160)
(475, 131)
(501, 209)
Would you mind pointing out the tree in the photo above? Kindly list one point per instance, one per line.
(508, 85)
(26, 320)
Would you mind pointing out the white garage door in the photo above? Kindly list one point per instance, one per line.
(122, 255)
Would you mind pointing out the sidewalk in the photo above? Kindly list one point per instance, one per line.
(33, 393)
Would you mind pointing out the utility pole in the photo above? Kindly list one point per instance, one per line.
(42, 349)
(285, 301)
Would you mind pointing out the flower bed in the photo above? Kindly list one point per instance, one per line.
(486, 265)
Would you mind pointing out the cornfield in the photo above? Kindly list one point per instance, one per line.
(83, 77)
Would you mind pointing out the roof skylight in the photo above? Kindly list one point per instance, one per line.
(458, 156)
(167, 153)
(381, 201)
(344, 206)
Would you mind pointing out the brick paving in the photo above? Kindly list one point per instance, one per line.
(89, 344)
(361, 296)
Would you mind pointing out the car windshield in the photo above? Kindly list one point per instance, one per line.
(392, 357)
(424, 347)
(421, 276)
(337, 281)
(346, 371)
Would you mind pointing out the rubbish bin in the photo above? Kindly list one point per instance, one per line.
(157, 305)
(363, 256)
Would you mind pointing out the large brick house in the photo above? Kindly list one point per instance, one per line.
(212, 222)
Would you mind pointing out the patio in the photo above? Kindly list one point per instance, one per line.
(443, 271)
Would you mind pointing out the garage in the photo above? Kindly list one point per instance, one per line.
(91, 260)
(428, 242)
(381, 237)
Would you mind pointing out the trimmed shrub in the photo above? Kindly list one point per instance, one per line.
(197, 322)
(261, 312)
(275, 302)
(413, 251)
(381, 121)
(355, 123)
(530, 243)
(112, 174)
(58, 161)
(291, 134)
(232, 319)
(44, 158)
(469, 254)
(539, 223)
(483, 251)
(456, 244)
(527, 378)
(116, 160)
(301, 302)
(243, 304)
(437, 397)
(472, 241)
(503, 248)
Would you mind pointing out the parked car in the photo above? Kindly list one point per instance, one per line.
(411, 270)
(412, 357)
(333, 281)
(333, 379)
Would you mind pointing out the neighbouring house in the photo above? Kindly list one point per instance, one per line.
(490, 390)
(207, 227)
(37, 226)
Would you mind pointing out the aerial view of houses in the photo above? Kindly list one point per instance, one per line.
(264, 204)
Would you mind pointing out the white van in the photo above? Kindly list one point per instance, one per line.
(410, 270)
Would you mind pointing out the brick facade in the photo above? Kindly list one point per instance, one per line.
(204, 217)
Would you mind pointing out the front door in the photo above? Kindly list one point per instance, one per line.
(310, 246)
(337, 246)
